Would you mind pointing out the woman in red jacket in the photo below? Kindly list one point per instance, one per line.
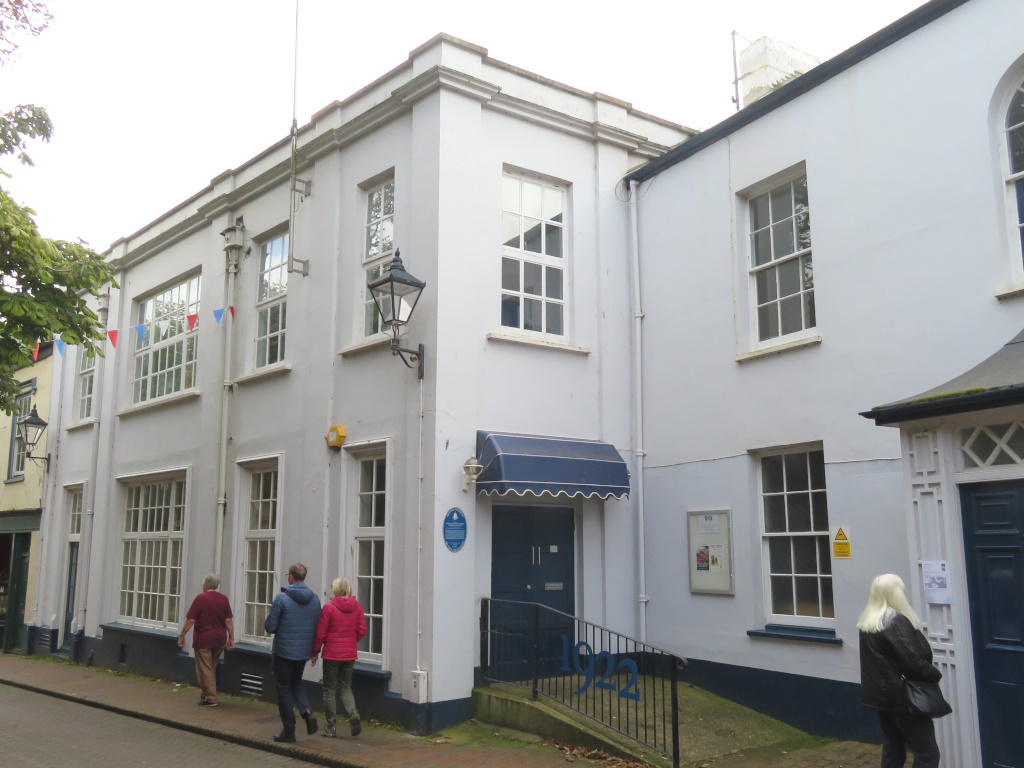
(342, 625)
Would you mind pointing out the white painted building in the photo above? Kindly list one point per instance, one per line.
(197, 444)
(896, 170)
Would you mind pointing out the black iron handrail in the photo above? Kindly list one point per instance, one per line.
(627, 685)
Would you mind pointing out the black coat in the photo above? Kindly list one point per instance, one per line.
(887, 657)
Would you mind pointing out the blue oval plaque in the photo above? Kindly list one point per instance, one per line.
(454, 529)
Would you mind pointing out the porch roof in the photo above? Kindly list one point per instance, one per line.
(995, 382)
(539, 465)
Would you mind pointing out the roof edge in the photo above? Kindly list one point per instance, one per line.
(822, 73)
(942, 405)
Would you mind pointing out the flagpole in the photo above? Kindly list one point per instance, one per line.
(295, 265)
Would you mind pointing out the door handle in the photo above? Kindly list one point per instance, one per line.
(538, 555)
(533, 556)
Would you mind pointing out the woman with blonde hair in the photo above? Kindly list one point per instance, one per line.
(893, 648)
(342, 625)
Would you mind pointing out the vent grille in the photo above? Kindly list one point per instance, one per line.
(252, 684)
(43, 641)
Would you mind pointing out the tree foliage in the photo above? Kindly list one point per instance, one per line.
(20, 17)
(43, 283)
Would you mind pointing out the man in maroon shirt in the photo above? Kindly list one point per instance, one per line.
(210, 613)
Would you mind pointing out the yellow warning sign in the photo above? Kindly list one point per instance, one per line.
(841, 548)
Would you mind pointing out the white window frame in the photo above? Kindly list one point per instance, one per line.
(1015, 177)
(166, 329)
(86, 379)
(131, 578)
(269, 537)
(528, 277)
(272, 301)
(357, 453)
(18, 452)
(378, 247)
(760, 235)
(75, 500)
(823, 555)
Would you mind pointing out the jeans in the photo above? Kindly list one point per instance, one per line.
(905, 731)
(290, 693)
(206, 671)
(338, 672)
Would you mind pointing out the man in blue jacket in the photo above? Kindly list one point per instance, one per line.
(292, 621)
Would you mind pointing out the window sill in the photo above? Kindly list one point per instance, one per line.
(191, 394)
(801, 634)
(82, 424)
(1010, 292)
(530, 341)
(170, 634)
(776, 349)
(365, 345)
(15, 479)
(367, 669)
(265, 372)
(250, 646)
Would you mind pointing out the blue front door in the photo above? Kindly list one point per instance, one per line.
(993, 523)
(531, 562)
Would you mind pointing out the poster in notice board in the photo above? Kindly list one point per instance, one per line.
(709, 545)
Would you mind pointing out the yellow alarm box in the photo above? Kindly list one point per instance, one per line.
(336, 437)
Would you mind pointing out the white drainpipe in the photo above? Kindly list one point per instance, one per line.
(232, 252)
(638, 405)
(89, 503)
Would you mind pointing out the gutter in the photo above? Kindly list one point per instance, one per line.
(947, 405)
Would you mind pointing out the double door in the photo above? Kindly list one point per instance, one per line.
(532, 562)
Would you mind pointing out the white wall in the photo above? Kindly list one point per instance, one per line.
(910, 248)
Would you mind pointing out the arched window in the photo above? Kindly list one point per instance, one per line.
(1015, 150)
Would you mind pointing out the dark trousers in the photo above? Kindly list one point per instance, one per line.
(906, 731)
(290, 693)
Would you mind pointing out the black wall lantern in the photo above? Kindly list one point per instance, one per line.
(30, 429)
(395, 294)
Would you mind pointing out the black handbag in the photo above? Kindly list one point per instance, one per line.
(925, 698)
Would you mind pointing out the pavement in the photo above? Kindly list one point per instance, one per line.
(252, 723)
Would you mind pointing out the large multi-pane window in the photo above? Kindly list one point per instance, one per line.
(1015, 147)
(271, 304)
(22, 408)
(260, 551)
(151, 552)
(533, 249)
(378, 246)
(370, 547)
(796, 537)
(86, 374)
(165, 345)
(780, 260)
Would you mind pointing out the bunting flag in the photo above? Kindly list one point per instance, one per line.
(112, 335)
(141, 330)
(217, 315)
(163, 325)
(35, 352)
(60, 346)
(192, 321)
(232, 312)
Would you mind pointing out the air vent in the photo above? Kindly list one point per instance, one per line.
(252, 684)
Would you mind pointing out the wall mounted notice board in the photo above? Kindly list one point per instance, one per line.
(709, 536)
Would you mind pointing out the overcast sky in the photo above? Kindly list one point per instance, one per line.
(152, 100)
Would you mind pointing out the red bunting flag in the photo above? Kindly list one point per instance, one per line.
(232, 312)
(35, 352)
(112, 335)
(192, 321)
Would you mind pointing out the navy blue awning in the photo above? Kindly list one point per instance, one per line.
(538, 465)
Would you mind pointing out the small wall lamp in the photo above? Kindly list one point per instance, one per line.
(471, 471)
(30, 429)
